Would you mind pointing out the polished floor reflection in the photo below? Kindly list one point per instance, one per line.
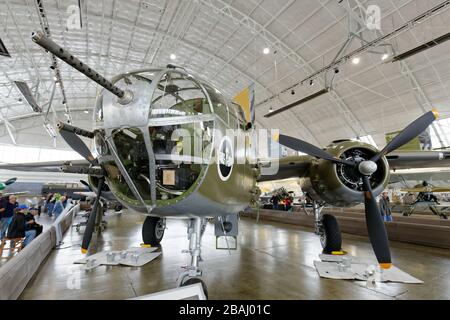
(273, 261)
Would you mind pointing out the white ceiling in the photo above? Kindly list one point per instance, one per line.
(222, 42)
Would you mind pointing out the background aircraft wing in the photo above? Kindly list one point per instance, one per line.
(50, 166)
(424, 189)
(88, 194)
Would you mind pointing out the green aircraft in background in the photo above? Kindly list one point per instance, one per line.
(3, 185)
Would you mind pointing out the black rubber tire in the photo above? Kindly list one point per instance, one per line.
(149, 234)
(118, 207)
(333, 239)
(189, 281)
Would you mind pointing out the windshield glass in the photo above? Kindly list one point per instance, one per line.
(178, 95)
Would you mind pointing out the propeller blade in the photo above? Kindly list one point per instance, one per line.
(305, 147)
(410, 132)
(90, 226)
(10, 181)
(86, 184)
(78, 145)
(375, 227)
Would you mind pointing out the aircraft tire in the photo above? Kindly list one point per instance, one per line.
(332, 240)
(189, 281)
(152, 233)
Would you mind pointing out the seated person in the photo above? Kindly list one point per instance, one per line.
(31, 224)
(17, 227)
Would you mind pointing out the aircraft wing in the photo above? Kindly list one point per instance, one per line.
(289, 167)
(298, 166)
(418, 159)
(50, 166)
(19, 193)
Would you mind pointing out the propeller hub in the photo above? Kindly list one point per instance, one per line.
(367, 167)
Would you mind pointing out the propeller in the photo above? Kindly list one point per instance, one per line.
(305, 147)
(75, 142)
(86, 184)
(410, 132)
(71, 134)
(375, 225)
(90, 226)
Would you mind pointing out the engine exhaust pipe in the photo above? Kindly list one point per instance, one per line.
(125, 96)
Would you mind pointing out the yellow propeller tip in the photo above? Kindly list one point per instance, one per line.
(435, 112)
(276, 137)
(385, 265)
(339, 253)
(83, 251)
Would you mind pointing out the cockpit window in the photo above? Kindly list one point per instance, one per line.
(178, 95)
(219, 104)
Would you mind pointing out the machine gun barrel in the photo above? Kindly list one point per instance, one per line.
(41, 39)
(76, 130)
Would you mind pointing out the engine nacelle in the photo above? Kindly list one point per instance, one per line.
(340, 185)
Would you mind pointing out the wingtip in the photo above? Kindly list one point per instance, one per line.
(385, 265)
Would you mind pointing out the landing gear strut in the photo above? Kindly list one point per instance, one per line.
(193, 273)
(327, 228)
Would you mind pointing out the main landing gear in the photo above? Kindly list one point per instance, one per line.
(153, 230)
(195, 230)
(327, 228)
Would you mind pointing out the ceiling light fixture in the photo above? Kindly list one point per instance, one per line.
(384, 57)
(298, 102)
(173, 56)
(423, 47)
(356, 60)
(266, 50)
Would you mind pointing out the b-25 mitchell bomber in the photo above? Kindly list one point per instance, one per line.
(147, 125)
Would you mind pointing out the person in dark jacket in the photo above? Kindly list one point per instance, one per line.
(31, 224)
(49, 204)
(385, 209)
(18, 226)
(7, 214)
(275, 200)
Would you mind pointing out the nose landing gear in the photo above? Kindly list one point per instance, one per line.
(193, 273)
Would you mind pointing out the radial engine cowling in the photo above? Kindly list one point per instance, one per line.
(339, 185)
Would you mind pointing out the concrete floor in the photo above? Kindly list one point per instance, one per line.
(274, 261)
